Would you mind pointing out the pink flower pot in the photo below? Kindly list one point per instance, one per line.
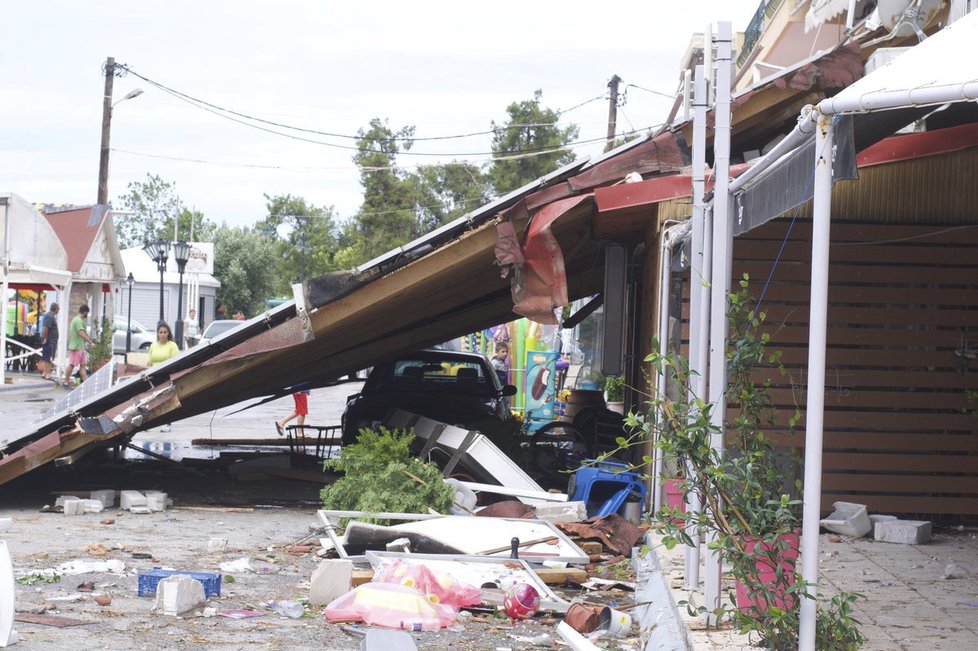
(768, 558)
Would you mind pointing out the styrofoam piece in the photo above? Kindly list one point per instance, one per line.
(7, 634)
(91, 506)
(848, 519)
(6, 523)
(106, 497)
(129, 499)
(561, 512)
(904, 532)
(330, 579)
(71, 505)
(156, 500)
(179, 593)
(217, 545)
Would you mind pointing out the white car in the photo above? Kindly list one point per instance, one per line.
(141, 337)
(215, 329)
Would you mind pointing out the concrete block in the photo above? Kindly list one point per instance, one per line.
(555, 512)
(330, 579)
(156, 500)
(179, 593)
(905, 532)
(106, 497)
(129, 499)
(881, 518)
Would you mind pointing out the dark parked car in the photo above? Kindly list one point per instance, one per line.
(455, 388)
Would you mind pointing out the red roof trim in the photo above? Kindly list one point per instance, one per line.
(919, 145)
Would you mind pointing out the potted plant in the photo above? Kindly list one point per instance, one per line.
(101, 352)
(614, 393)
(751, 493)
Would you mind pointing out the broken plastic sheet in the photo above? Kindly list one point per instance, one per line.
(486, 573)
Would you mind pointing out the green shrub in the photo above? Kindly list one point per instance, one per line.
(381, 475)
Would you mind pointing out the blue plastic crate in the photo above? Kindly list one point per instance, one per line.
(149, 581)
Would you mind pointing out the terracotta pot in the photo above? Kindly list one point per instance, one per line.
(768, 558)
(583, 619)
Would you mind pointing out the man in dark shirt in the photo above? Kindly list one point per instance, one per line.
(49, 340)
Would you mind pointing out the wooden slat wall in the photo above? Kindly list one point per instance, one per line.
(900, 434)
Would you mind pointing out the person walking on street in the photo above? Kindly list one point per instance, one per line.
(161, 350)
(191, 329)
(78, 341)
(49, 340)
(300, 412)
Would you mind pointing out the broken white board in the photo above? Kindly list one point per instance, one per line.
(471, 449)
(477, 536)
(7, 634)
(481, 572)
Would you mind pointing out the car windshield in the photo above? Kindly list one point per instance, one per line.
(432, 373)
(217, 328)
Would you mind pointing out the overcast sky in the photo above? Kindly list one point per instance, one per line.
(445, 67)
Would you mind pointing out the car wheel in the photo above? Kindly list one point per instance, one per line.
(144, 347)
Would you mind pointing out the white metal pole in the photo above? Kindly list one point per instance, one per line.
(3, 293)
(814, 416)
(722, 264)
(699, 304)
(664, 256)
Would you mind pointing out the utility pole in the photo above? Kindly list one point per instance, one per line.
(103, 160)
(612, 111)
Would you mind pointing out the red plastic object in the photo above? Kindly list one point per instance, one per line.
(521, 601)
(783, 554)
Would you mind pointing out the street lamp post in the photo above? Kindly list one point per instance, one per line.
(103, 162)
(157, 252)
(129, 281)
(181, 253)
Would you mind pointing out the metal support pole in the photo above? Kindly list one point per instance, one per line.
(722, 265)
(699, 303)
(3, 291)
(178, 326)
(814, 416)
(161, 265)
(129, 320)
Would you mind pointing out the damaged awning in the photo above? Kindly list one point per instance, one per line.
(440, 286)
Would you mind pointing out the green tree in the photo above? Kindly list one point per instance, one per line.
(155, 204)
(387, 216)
(245, 265)
(511, 168)
(448, 192)
(305, 239)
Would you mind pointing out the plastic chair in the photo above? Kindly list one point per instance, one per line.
(605, 487)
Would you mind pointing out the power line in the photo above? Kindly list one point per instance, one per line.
(649, 90)
(226, 113)
(378, 168)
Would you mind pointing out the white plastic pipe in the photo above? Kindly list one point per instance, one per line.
(801, 134)
(575, 640)
(699, 304)
(670, 237)
(722, 265)
(814, 418)
(889, 99)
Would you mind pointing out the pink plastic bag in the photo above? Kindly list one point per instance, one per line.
(390, 605)
(438, 588)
